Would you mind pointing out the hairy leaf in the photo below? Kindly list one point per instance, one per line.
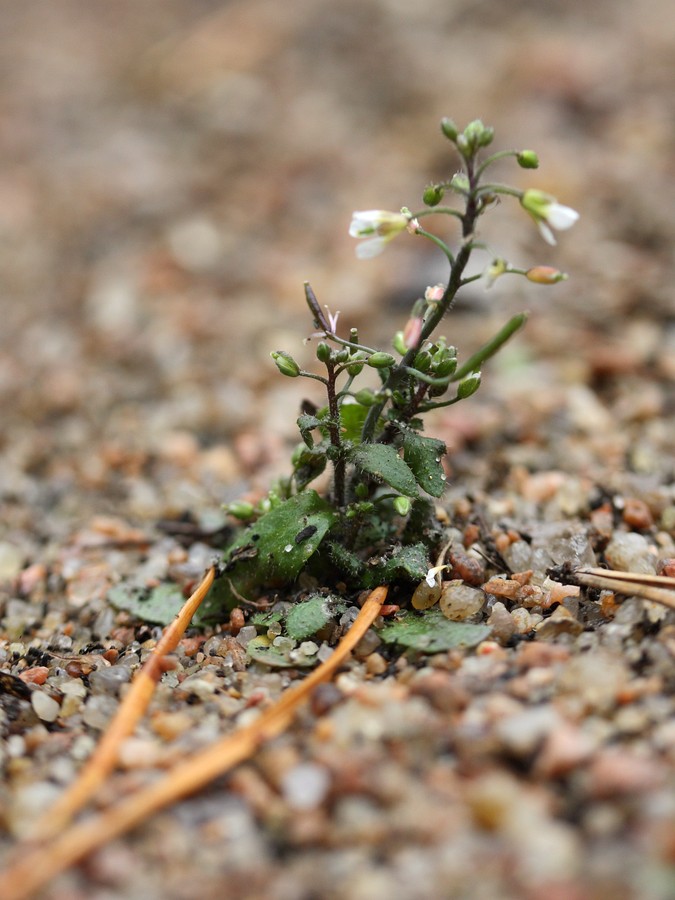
(159, 605)
(306, 618)
(431, 632)
(383, 462)
(271, 552)
(424, 455)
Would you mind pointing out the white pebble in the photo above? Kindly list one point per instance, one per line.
(305, 786)
(46, 708)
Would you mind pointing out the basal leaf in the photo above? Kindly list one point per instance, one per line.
(306, 618)
(159, 605)
(431, 632)
(405, 564)
(262, 650)
(423, 455)
(382, 461)
(271, 552)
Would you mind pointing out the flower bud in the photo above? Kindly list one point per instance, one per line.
(356, 364)
(361, 491)
(433, 195)
(434, 293)
(412, 332)
(528, 159)
(398, 343)
(449, 129)
(285, 363)
(422, 361)
(402, 505)
(468, 385)
(365, 397)
(381, 360)
(241, 509)
(545, 275)
(323, 352)
(445, 366)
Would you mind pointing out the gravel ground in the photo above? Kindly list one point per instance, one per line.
(172, 172)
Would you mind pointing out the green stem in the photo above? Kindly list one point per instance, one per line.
(501, 154)
(436, 313)
(474, 362)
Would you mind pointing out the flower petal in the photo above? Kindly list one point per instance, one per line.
(371, 247)
(561, 217)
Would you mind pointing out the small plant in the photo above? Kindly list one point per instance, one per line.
(372, 523)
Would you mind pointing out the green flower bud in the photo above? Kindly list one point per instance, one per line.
(358, 359)
(460, 182)
(433, 195)
(241, 509)
(468, 385)
(399, 343)
(381, 360)
(402, 506)
(449, 129)
(445, 366)
(422, 361)
(361, 491)
(285, 363)
(323, 352)
(342, 355)
(476, 135)
(399, 398)
(365, 397)
(528, 159)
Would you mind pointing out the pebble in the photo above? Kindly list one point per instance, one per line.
(109, 680)
(46, 707)
(630, 553)
(502, 623)
(11, 561)
(561, 621)
(98, 710)
(459, 601)
(521, 734)
(305, 786)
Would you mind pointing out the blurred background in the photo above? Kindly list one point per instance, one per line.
(171, 172)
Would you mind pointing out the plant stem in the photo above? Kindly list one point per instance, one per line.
(333, 423)
(457, 266)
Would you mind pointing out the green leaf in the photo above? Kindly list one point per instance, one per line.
(431, 632)
(423, 455)
(159, 605)
(271, 552)
(382, 461)
(262, 650)
(307, 424)
(405, 564)
(352, 417)
(306, 618)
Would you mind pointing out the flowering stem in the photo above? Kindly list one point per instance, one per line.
(458, 264)
(495, 156)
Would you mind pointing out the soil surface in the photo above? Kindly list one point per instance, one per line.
(171, 174)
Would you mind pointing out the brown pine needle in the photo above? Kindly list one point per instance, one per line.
(40, 864)
(657, 588)
(131, 709)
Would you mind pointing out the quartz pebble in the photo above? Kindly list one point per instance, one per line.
(46, 707)
(459, 601)
(305, 785)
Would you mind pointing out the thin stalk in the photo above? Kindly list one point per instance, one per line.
(333, 424)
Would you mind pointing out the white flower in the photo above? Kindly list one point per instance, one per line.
(378, 227)
(548, 213)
